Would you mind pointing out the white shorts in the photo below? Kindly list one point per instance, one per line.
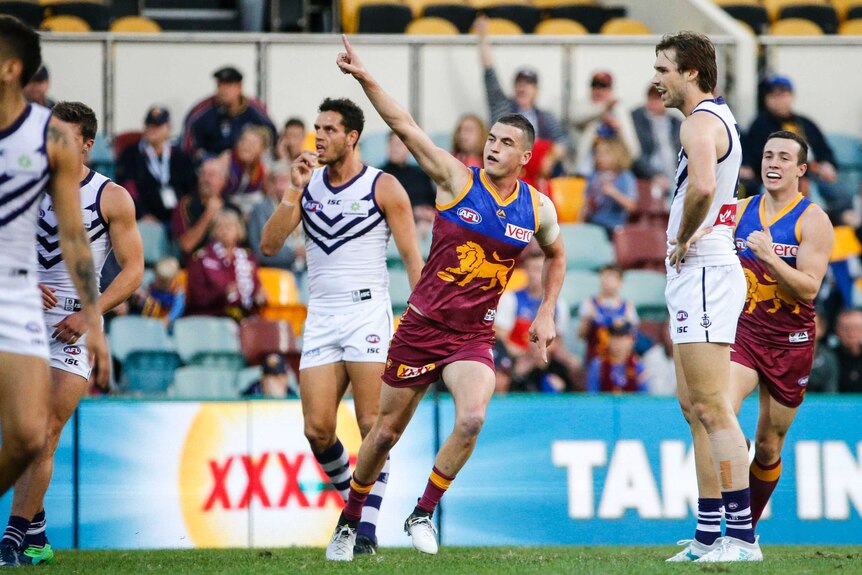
(704, 303)
(22, 326)
(68, 357)
(361, 336)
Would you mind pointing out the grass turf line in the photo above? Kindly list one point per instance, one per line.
(780, 560)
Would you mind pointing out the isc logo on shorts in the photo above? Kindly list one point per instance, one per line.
(519, 233)
(406, 371)
(469, 215)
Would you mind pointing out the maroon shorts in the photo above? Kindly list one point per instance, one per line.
(784, 371)
(421, 348)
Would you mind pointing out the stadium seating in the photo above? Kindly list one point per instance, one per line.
(503, 27)
(124, 140)
(578, 286)
(279, 286)
(96, 14)
(848, 156)
(146, 353)
(774, 7)
(645, 289)
(199, 382)
(754, 15)
(568, 194)
(854, 12)
(842, 7)
(28, 12)
(259, 337)
(587, 246)
(399, 290)
(155, 240)
(65, 24)
(822, 15)
(638, 246)
(591, 16)
(384, 18)
(461, 15)
(851, 27)
(132, 333)
(431, 26)
(135, 25)
(560, 27)
(545, 4)
(795, 27)
(526, 16)
(625, 26)
(208, 341)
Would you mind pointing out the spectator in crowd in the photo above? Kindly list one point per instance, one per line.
(612, 187)
(290, 141)
(419, 187)
(539, 170)
(658, 135)
(246, 167)
(598, 313)
(515, 315)
(468, 140)
(214, 124)
(524, 101)
(36, 90)
(849, 351)
(274, 382)
(620, 370)
(824, 370)
(277, 181)
(195, 212)
(658, 365)
(602, 116)
(156, 173)
(222, 277)
(165, 297)
(778, 114)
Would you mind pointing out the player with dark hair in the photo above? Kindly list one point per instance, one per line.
(348, 211)
(38, 153)
(485, 219)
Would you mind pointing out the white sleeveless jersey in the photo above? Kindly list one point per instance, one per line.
(716, 248)
(347, 237)
(23, 180)
(52, 268)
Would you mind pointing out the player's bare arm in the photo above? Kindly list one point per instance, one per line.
(64, 188)
(287, 214)
(812, 259)
(118, 209)
(702, 142)
(450, 175)
(543, 330)
(395, 205)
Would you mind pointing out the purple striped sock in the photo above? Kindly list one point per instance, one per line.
(708, 520)
(336, 463)
(737, 515)
(371, 509)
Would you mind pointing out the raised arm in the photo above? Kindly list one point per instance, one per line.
(450, 175)
(75, 245)
(395, 205)
(543, 330)
(286, 216)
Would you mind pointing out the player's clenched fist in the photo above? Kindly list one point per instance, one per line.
(760, 242)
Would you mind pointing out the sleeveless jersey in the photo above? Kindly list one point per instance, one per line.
(347, 237)
(771, 315)
(476, 239)
(23, 180)
(716, 248)
(52, 268)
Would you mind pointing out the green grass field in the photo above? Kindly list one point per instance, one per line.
(452, 560)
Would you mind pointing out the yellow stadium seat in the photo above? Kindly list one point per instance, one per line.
(846, 244)
(431, 27)
(568, 194)
(135, 25)
(545, 4)
(350, 13)
(294, 314)
(773, 7)
(560, 27)
(480, 4)
(64, 24)
(795, 27)
(502, 27)
(625, 26)
(279, 286)
(851, 27)
(308, 144)
(843, 6)
(418, 6)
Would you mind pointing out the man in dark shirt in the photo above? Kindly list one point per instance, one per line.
(155, 172)
(215, 123)
(419, 188)
(849, 351)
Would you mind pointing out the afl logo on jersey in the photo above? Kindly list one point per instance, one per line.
(469, 215)
(681, 315)
(373, 338)
(313, 207)
(72, 350)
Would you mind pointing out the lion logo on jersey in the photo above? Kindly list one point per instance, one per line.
(758, 292)
(473, 264)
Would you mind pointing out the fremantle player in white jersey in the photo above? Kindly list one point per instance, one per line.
(348, 211)
(37, 153)
(705, 293)
(108, 213)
